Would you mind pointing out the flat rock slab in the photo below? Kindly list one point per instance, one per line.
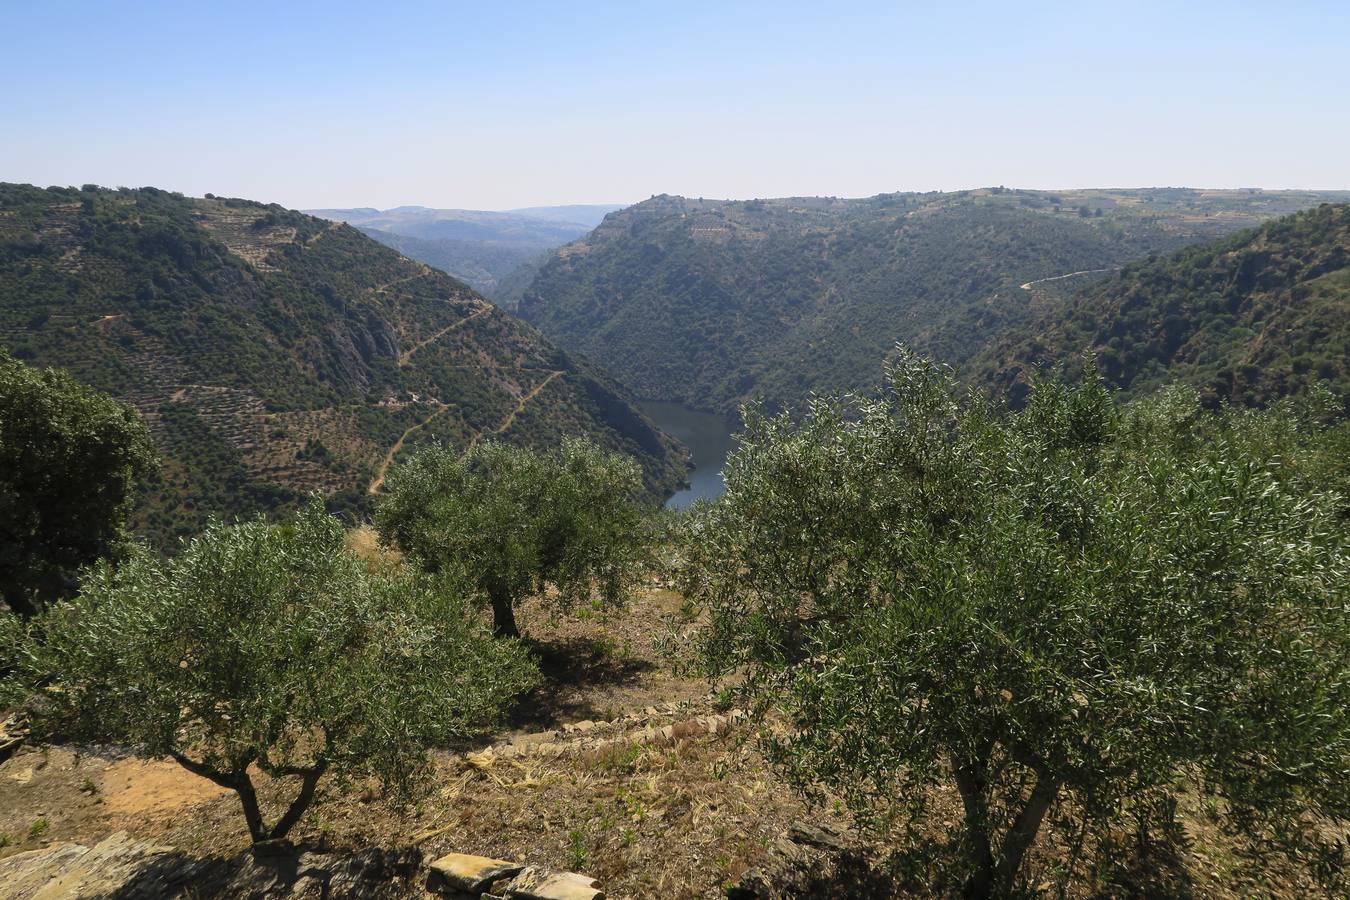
(539, 884)
(472, 874)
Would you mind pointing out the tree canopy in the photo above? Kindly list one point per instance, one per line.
(1059, 612)
(513, 520)
(269, 647)
(70, 459)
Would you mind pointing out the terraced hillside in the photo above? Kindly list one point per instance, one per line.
(1249, 318)
(709, 302)
(275, 353)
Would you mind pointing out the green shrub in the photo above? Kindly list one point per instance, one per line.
(513, 520)
(70, 459)
(269, 646)
(1072, 608)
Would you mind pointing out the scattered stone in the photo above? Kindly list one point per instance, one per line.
(822, 836)
(474, 874)
(810, 860)
(753, 885)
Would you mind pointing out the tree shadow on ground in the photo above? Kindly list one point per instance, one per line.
(175, 874)
(574, 668)
(276, 870)
(1149, 869)
(937, 868)
(851, 876)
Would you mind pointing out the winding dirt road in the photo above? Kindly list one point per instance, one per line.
(407, 354)
(1029, 284)
(422, 272)
(378, 481)
(520, 405)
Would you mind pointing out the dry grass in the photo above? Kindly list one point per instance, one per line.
(365, 543)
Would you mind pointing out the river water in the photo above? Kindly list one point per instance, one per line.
(708, 438)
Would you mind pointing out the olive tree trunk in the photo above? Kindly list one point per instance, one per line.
(994, 875)
(503, 614)
(242, 785)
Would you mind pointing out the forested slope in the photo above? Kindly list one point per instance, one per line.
(275, 353)
(710, 303)
(1249, 318)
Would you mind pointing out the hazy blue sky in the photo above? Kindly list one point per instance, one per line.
(499, 104)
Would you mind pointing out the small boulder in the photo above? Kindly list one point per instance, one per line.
(822, 836)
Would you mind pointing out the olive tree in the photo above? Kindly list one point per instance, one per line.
(1065, 609)
(269, 648)
(70, 458)
(513, 520)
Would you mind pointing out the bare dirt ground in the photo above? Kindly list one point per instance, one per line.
(616, 767)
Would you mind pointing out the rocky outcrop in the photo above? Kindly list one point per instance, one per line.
(124, 868)
(118, 866)
(12, 735)
(541, 884)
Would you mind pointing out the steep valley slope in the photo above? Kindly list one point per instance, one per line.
(1249, 318)
(711, 303)
(274, 353)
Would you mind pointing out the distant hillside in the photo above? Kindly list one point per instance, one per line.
(476, 246)
(710, 303)
(588, 214)
(274, 353)
(1248, 318)
(484, 265)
